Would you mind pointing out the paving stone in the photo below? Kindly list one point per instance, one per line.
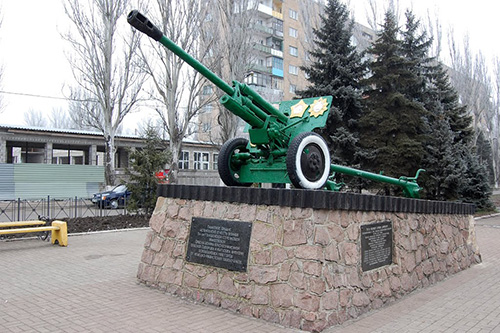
(91, 286)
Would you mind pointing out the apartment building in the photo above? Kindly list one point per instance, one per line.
(282, 37)
(280, 44)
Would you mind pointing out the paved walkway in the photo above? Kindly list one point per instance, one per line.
(90, 286)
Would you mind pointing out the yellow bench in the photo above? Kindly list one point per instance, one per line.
(59, 229)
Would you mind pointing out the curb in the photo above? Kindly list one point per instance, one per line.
(107, 231)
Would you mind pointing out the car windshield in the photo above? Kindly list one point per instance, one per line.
(120, 188)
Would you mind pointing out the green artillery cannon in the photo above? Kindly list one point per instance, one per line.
(283, 147)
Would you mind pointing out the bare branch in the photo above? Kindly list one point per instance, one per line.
(174, 85)
(106, 78)
(34, 118)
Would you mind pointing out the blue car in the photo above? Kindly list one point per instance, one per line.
(115, 198)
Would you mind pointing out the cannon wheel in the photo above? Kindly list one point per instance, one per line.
(227, 168)
(308, 161)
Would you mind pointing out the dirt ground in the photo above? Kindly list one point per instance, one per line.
(86, 224)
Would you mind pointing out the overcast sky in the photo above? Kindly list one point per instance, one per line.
(32, 51)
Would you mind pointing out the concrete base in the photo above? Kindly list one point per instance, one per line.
(304, 266)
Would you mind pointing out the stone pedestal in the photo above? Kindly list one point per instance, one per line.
(304, 264)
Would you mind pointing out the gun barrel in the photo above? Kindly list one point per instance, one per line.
(264, 104)
(410, 187)
(143, 24)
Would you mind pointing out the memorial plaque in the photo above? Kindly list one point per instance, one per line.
(219, 243)
(376, 245)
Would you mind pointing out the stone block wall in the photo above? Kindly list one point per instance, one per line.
(304, 266)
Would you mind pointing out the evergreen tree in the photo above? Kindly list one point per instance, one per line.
(392, 126)
(485, 155)
(448, 141)
(447, 97)
(475, 187)
(415, 47)
(443, 162)
(455, 171)
(336, 70)
(443, 169)
(144, 163)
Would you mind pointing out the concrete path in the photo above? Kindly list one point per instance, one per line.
(90, 286)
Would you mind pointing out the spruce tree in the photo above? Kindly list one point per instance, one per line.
(456, 113)
(415, 46)
(443, 162)
(475, 186)
(485, 155)
(448, 141)
(144, 163)
(336, 70)
(392, 126)
(455, 169)
(442, 178)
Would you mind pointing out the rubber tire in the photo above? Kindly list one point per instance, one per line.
(295, 161)
(113, 204)
(226, 170)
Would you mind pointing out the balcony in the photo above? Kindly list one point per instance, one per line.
(278, 33)
(269, 94)
(260, 68)
(277, 14)
(262, 48)
(277, 72)
(264, 29)
(277, 53)
(266, 10)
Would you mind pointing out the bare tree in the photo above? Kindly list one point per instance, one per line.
(232, 42)
(312, 10)
(435, 31)
(175, 86)
(470, 75)
(375, 12)
(1, 73)
(495, 145)
(34, 118)
(472, 81)
(103, 66)
(59, 118)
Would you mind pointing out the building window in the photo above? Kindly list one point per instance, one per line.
(292, 32)
(277, 63)
(184, 160)
(293, 14)
(207, 90)
(201, 161)
(367, 35)
(258, 79)
(277, 83)
(274, 43)
(293, 88)
(293, 70)
(215, 158)
(278, 27)
(208, 108)
(294, 51)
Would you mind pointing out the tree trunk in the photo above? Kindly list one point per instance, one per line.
(175, 148)
(109, 160)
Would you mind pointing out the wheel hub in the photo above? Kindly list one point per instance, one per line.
(312, 162)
